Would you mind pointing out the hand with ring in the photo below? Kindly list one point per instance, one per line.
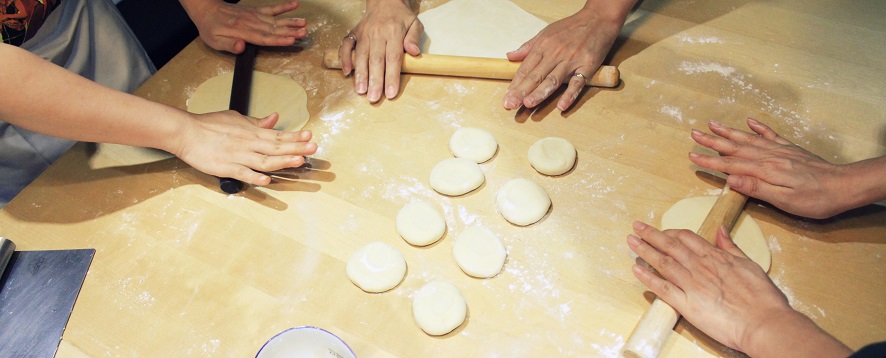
(388, 28)
(229, 27)
(572, 47)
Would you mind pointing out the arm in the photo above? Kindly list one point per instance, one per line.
(224, 144)
(726, 295)
(574, 45)
(771, 168)
(228, 27)
(388, 28)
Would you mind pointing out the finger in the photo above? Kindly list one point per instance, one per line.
(573, 89)
(378, 50)
(284, 148)
(754, 187)
(274, 10)
(741, 138)
(393, 61)
(514, 99)
(725, 146)
(361, 66)
(698, 245)
(674, 254)
(745, 168)
(767, 132)
(413, 38)
(269, 163)
(725, 243)
(541, 79)
(344, 53)
(548, 85)
(520, 53)
(269, 122)
(670, 293)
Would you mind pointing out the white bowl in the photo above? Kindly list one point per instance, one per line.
(305, 341)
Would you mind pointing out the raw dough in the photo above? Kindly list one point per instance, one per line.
(473, 143)
(269, 93)
(477, 28)
(438, 308)
(420, 223)
(690, 212)
(478, 252)
(552, 155)
(376, 267)
(522, 201)
(456, 176)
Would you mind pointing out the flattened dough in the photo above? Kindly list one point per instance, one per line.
(522, 201)
(438, 308)
(689, 213)
(552, 155)
(456, 176)
(473, 143)
(376, 267)
(477, 28)
(270, 93)
(479, 252)
(420, 223)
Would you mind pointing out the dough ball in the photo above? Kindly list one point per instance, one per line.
(420, 223)
(473, 143)
(479, 253)
(269, 93)
(438, 308)
(456, 176)
(689, 213)
(522, 201)
(376, 267)
(552, 155)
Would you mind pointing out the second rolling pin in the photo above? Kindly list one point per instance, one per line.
(475, 67)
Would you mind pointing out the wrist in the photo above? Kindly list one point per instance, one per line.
(791, 334)
(861, 183)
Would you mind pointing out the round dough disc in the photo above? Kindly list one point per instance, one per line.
(269, 93)
(420, 223)
(376, 267)
(689, 213)
(522, 201)
(456, 176)
(552, 155)
(438, 308)
(473, 143)
(479, 253)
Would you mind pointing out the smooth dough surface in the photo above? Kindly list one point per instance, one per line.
(456, 176)
(689, 213)
(438, 308)
(479, 252)
(376, 267)
(420, 223)
(522, 201)
(486, 28)
(269, 93)
(552, 155)
(473, 143)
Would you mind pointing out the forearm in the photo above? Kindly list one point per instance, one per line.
(48, 99)
(793, 335)
(196, 7)
(862, 182)
(375, 5)
(613, 10)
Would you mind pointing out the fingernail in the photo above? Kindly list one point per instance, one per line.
(374, 95)
(696, 132)
(735, 181)
(633, 240)
(510, 102)
(391, 92)
(361, 87)
(639, 225)
(715, 124)
(753, 121)
(694, 155)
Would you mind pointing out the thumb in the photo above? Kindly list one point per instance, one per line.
(725, 243)
(412, 41)
(268, 122)
(221, 43)
(520, 53)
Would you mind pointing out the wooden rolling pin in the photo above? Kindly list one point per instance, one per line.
(475, 67)
(657, 324)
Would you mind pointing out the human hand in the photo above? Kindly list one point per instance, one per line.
(717, 289)
(229, 145)
(771, 168)
(388, 28)
(229, 27)
(572, 48)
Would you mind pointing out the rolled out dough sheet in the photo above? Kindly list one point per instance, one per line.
(269, 93)
(477, 28)
(689, 213)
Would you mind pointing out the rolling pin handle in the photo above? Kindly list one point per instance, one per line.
(230, 186)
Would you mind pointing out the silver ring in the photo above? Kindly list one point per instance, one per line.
(580, 75)
(350, 36)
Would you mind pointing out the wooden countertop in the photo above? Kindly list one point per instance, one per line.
(182, 269)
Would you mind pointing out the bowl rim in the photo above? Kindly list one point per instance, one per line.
(303, 328)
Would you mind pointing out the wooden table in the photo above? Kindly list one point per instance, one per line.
(182, 269)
